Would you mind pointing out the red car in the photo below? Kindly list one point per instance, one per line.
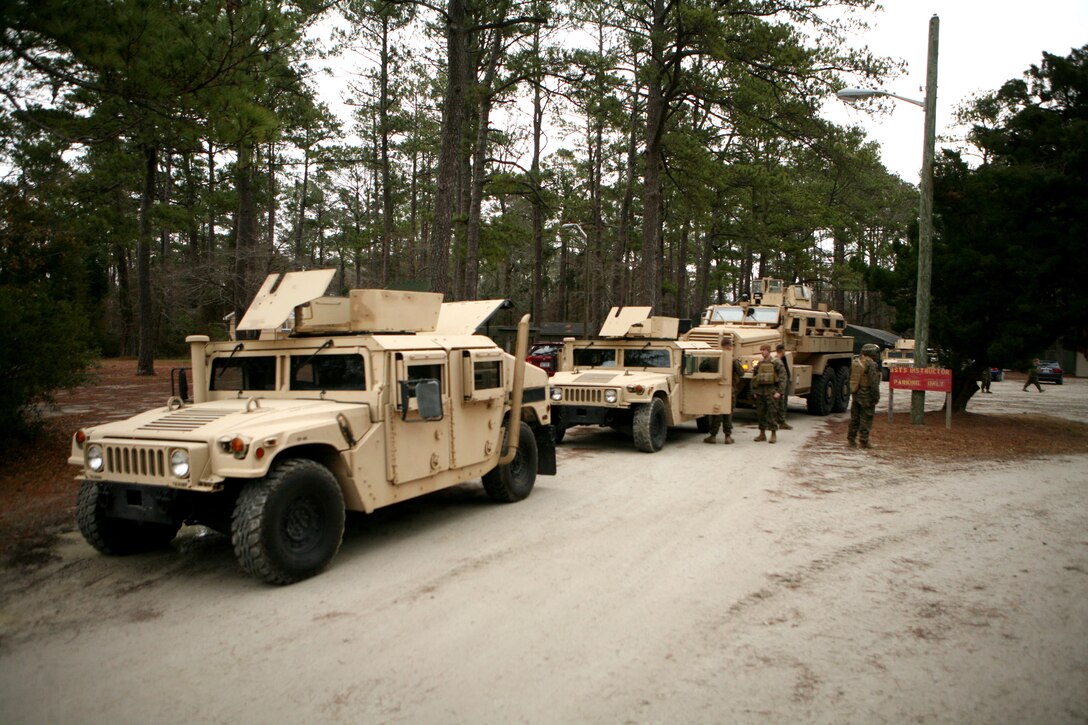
(544, 355)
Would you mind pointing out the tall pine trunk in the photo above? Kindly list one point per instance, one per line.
(145, 356)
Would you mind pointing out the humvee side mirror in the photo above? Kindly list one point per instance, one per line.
(428, 395)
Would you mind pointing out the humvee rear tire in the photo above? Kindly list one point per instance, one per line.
(113, 536)
(821, 397)
(515, 480)
(842, 389)
(650, 426)
(288, 525)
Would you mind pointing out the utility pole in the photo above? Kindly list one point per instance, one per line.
(925, 227)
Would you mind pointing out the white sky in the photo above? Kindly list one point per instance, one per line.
(983, 43)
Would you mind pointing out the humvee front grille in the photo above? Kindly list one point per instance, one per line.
(142, 461)
(583, 395)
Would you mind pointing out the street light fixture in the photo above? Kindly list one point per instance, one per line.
(925, 211)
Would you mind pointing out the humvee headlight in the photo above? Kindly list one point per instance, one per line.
(611, 396)
(557, 394)
(179, 463)
(95, 461)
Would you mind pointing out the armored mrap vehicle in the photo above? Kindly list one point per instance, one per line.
(818, 354)
(362, 402)
(638, 377)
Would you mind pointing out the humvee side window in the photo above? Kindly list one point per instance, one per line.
(487, 374)
(328, 372)
(796, 325)
(594, 357)
(418, 373)
(243, 373)
(653, 357)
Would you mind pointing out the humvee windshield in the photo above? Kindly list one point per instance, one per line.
(647, 358)
(328, 372)
(594, 357)
(735, 313)
(243, 373)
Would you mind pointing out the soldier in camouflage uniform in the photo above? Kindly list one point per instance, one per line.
(780, 409)
(866, 396)
(987, 376)
(1033, 376)
(768, 385)
(725, 422)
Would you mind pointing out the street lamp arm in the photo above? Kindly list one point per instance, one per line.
(852, 95)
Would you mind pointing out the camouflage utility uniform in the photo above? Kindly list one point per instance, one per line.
(865, 399)
(987, 376)
(765, 383)
(725, 422)
(780, 409)
(1033, 376)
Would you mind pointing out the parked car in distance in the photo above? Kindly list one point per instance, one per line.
(545, 355)
(1050, 371)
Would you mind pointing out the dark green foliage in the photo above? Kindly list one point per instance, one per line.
(1009, 253)
(46, 322)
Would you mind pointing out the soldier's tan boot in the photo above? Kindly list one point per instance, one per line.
(762, 435)
(729, 440)
(711, 439)
(774, 437)
(785, 426)
(852, 442)
(866, 444)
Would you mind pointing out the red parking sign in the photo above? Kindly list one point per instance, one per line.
(930, 380)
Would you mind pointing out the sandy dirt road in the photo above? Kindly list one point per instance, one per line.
(802, 582)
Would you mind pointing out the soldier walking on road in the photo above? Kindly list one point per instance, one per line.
(780, 411)
(987, 376)
(865, 385)
(1033, 376)
(768, 385)
(725, 422)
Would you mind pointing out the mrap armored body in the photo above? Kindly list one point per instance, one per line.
(818, 354)
(638, 377)
(365, 401)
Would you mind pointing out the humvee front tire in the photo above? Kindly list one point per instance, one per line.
(515, 480)
(650, 426)
(113, 536)
(288, 525)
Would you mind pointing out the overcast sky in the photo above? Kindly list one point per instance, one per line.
(983, 43)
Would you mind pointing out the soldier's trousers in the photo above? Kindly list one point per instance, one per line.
(766, 412)
(861, 420)
(720, 422)
(780, 409)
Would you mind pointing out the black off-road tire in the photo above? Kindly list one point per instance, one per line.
(288, 525)
(113, 536)
(515, 481)
(560, 433)
(842, 389)
(650, 426)
(821, 397)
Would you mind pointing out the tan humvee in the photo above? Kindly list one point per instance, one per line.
(900, 356)
(818, 353)
(637, 376)
(362, 402)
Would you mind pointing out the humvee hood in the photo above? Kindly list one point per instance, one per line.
(598, 376)
(222, 417)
